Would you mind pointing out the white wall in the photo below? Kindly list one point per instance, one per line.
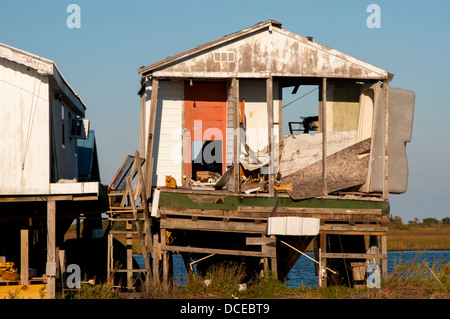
(24, 132)
(253, 91)
(167, 147)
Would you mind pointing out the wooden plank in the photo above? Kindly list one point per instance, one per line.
(218, 251)
(147, 221)
(24, 249)
(236, 143)
(386, 142)
(155, 251)
(129, 240)
(270, 140)
(139, 228)
(213, 213)
(348, 228)
(260, 240)
(312, 210)
(150, 137)
(213, 225)
(324, 136)
(51, 250)
(353, 255)
(384, 266)
(142, 118)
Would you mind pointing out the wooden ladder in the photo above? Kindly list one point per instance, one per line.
(130, 213)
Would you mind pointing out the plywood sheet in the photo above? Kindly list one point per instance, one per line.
(346, 168)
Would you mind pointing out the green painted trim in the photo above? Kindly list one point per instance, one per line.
(223, 202)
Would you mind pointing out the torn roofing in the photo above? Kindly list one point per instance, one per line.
(302, 50)
(44, 67)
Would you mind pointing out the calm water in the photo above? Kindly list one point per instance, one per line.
(303, 271)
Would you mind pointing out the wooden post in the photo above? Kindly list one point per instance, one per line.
(150, 139)
(110, 259)
(386, 142)
(129, 190)
(147, 221)
(165, 264)
(270, 141)
(24, 248)
(322, 261)
(384, 270)
(273, 260)
(142, 117)
(236, 140)
(129, 228)
(155, 255)
(324, 136)
(51, 250)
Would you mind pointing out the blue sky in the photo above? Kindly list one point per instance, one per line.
(100, 61)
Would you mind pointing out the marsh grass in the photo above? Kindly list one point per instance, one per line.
(415, 279)
(419, 238)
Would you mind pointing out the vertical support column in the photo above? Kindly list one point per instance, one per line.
(384, 270)
(155, 256)
(273, 260)
(236, 141)
(129, 228)
(324, 136)
(51, 249)
(322, 261)
(110, 261)
(150, 138)
(386, 142)
(24, 249)
(142, 118)
(270, 141)
(165, 264)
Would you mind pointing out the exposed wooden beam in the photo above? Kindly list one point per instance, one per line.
(236, 140)
(324, 136)
(270, 140)
(386, 142)
(150, 138)
(24, 248)
(51, 250)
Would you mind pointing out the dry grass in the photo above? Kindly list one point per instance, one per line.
(419, 238)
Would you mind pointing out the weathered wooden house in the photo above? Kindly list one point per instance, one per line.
(223, 182)
(42, 189)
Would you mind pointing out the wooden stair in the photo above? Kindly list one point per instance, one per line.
(123, 208)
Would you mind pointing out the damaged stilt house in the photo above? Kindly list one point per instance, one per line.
(220, 180)
(49, 170)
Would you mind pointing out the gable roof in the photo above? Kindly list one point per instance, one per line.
(261, 50)
(44, 67)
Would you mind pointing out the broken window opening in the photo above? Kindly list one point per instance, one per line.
(300, 107)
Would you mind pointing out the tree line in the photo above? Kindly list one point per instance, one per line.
(397, 222)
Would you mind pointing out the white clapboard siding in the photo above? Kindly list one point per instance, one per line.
(167, 148)
(24, 133)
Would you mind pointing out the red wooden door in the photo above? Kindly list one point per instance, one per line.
(205, 116)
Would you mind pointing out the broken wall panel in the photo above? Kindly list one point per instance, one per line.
(401, 113)
(345, 169)
(302, 150)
